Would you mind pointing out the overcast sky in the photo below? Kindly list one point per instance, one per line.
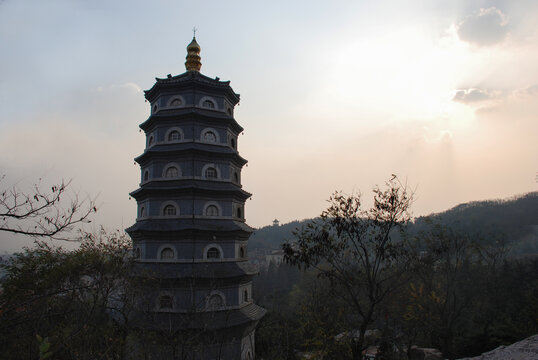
(335, 95)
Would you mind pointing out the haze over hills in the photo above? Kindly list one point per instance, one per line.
(514, 219)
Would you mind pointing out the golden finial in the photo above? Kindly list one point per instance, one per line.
(193, 55)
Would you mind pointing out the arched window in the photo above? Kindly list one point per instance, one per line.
(210, 136)
(208, 104)
(242, 252)
(137, 253)
(229, 111)
(176, 102)
(238, 211)
(142, 211)
(150, 141)
(166, 302)
(215, 301)
(146, 175)
(211, 173)
(169, 210)
(232, 141)
(212, 210)
(236, 177)
(213, 253)
(245, 296)
(171, 172)
(174, 135)
(167, 254)
(155, 108)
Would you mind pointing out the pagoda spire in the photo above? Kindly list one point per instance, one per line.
(193, 55)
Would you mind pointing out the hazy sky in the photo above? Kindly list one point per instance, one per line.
(335, 95)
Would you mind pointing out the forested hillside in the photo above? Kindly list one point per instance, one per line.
(514, 219)
(271, 237)
(456, 280)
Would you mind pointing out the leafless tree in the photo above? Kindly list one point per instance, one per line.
(41, 213)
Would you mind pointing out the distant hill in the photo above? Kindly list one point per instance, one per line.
(271, 237)
(515, 218)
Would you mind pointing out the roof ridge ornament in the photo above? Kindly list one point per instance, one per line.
(193, 58)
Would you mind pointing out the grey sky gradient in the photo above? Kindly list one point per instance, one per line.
(334, 96)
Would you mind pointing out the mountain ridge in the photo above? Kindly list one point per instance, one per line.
(515, 219)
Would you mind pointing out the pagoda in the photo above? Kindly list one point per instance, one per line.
(190, 234)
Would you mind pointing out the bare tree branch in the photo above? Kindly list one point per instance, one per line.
(42, 213)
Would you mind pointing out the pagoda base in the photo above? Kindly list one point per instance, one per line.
(236, 343)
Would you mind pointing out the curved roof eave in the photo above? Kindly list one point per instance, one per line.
(189, 149)
(210, 225)
(189, 186)
(188, 79)
(187, 113)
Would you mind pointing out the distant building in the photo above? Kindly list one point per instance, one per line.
(190, 233)
(276, 222)
(276, 257)
(263, 257)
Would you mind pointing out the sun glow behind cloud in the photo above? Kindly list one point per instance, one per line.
(404, 73)
(385, 103)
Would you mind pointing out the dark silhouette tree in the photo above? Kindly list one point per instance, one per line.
(70, 304)
(443, 288)
(356, 251)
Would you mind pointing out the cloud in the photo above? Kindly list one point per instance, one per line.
(471, 96)
(488, 27)
(468, 96)
(131, 85)
(532, 90)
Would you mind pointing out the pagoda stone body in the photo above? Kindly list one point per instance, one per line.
(190, 235)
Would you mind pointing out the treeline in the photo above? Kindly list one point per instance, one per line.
(360, 280)
(514, 219)
(271, 237)
(62, 304)
(487, 305)
(91, 303)
(457, 296)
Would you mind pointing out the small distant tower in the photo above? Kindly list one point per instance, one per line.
(190, 233)
(276, 222)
